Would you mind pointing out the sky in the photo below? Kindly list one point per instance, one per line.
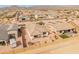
(1, 6)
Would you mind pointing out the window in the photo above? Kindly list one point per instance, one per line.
(68, 30)
(23, 19)
(60, 31)
(44, 32)
(35, 36)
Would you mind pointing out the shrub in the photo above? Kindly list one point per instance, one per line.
(64, 36)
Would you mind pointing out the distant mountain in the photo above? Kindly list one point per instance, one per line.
(39, 7)
(53, 6)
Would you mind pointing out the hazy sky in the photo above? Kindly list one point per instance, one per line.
(1, 6)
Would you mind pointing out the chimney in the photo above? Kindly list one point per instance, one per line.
(23, 33)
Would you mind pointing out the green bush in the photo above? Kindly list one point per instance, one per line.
(64, 36)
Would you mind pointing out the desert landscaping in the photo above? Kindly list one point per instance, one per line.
(39, 30)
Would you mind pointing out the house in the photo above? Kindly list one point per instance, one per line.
(23, 18)
(7, 31)
(37, 29)
(40, 30)
(62, 27)
(35, 32)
